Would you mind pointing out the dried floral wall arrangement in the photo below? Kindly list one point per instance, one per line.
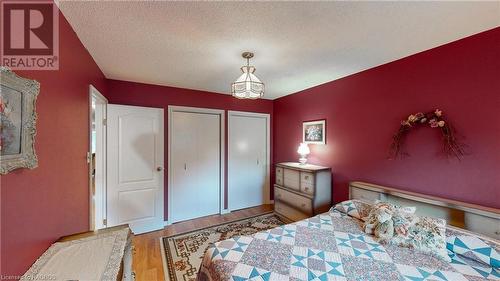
(433, 119)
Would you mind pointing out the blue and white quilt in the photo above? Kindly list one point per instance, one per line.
(333, 246)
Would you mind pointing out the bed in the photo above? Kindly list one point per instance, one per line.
(333, 246)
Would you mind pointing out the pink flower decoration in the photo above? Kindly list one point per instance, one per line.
(433, 123)
(412, 118)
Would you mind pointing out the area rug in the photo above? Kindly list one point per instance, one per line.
(183, 253)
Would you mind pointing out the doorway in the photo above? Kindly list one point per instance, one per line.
(97, 159)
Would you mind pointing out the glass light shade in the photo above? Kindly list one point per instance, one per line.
(303, 149)
(247, 86)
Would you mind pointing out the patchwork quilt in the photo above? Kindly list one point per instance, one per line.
(333, 246)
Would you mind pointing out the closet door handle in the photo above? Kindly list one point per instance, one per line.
(159, 168)
(185, 166)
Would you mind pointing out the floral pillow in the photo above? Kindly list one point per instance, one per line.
(425, 234)
(473, 248)
(354, 208)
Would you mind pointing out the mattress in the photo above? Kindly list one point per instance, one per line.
(333, 246)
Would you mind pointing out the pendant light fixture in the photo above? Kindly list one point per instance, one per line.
(247, 86)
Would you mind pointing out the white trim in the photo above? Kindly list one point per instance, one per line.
(94, 93)
(268, 147)
(221, 113)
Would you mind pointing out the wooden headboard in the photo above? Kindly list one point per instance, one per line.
(468, 216)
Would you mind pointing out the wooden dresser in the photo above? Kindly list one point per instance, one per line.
(302, 191)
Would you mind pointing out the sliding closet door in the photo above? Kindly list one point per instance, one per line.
(195, 165)
(248, 166)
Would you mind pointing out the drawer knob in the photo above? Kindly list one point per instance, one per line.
(303, 205)
(307, 188)
(306, 177)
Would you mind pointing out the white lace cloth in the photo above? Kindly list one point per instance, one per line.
(93, 258)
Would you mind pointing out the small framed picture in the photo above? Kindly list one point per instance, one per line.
(314, 132)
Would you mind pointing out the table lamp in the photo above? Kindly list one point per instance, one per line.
(303, 150)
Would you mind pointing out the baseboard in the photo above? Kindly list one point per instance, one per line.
(166, 223)
(226, 211)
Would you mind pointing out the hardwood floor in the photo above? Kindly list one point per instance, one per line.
(147, 261)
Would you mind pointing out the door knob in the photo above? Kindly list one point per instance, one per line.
(159, 169)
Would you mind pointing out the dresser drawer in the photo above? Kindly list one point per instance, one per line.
(291, 179)
(307, 177)
(288, 212)
(301, 203)
(307, 188)
(279, 175)
(307, 183)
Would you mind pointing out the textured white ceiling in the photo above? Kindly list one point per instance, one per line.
(297, 45)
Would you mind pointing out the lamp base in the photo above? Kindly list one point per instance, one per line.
(302, 160)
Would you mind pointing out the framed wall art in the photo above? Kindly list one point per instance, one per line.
(18, 121)
(314, 132)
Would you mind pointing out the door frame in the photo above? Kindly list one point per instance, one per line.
(267, 117)
(94, 93)
(222, 181)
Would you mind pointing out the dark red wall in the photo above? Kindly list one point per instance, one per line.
(39, 206)
(364, 110)
(129, 93)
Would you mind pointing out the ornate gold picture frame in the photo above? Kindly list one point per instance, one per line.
(18, 121)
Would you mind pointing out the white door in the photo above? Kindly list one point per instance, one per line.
(195, 164)
(135, 167)
(248, 166)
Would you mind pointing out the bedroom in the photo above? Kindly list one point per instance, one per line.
(138, 123)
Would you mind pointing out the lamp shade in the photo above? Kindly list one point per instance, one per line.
(247, 86)
(303, 149)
